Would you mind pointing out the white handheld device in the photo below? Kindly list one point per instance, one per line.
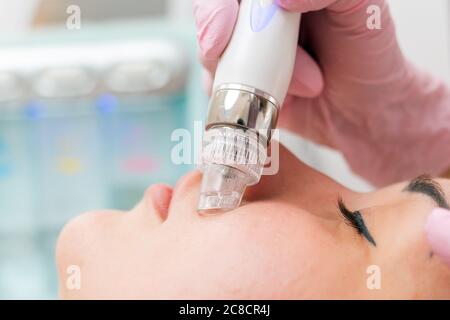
(250, 85)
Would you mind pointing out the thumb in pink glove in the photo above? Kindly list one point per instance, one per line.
(437, 231)
(215, 20)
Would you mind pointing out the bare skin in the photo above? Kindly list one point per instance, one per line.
(288, 241)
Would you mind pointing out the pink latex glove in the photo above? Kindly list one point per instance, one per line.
(390, 120)
(438, 233)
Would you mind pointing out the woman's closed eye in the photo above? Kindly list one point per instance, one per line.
(424, 185)
(356, 221)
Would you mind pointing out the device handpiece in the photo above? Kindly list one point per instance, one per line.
(250, 85)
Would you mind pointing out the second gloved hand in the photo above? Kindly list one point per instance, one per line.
(437, 231)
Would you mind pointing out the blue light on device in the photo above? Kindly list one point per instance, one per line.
(262, 13)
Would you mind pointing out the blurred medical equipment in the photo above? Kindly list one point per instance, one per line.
(82, 126)
(250, 86)
(54, 12)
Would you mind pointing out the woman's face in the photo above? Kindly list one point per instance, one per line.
(288, 241)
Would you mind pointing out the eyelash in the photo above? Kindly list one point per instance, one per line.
(356, 221)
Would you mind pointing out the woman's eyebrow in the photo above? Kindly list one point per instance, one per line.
(429, 187)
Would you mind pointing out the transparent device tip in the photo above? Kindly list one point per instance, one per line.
(222, 189)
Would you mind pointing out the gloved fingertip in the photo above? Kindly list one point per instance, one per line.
(207, 81)
(215, 21)
(304, 90)
(290, 5)
(307, 80)
(304, 5)
(437, 229)
(209, 65)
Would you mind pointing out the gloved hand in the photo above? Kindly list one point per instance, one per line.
(358, 94)
(438, 233)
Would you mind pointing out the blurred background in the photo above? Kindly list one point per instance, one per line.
(88, 106)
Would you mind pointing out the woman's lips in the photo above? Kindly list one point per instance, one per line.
(161, 196)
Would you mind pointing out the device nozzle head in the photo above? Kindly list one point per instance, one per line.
(221, 190)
